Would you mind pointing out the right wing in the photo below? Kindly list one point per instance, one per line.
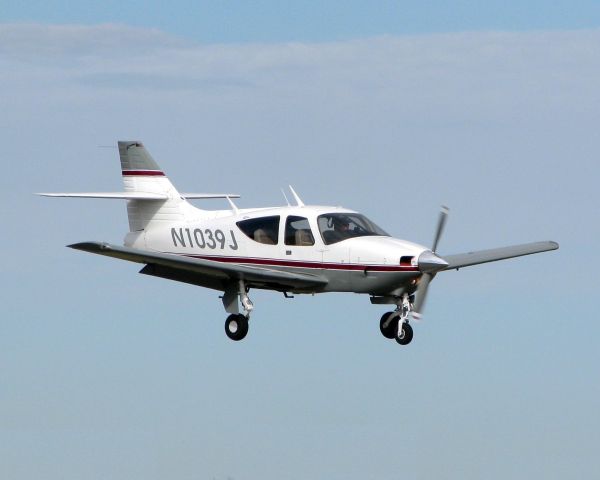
(206, 273)
(483, 256)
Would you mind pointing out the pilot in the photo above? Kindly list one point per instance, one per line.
(341, 227)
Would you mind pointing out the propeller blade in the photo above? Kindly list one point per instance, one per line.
(440, 227)
(421, 295)
(430, 264)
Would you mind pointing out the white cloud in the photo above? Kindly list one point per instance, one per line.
(37, 41)
(446, 74)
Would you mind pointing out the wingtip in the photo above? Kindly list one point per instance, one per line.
(89, 246)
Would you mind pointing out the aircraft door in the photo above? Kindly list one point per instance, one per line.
(299, 242)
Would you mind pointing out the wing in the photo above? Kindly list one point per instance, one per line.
(206, 273)
(483, 256)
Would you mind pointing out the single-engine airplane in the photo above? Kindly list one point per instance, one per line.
(291, 249)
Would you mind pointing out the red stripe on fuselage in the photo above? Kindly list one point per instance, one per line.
(144, 173)
(304, 264)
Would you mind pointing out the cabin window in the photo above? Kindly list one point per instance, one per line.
(335, 227)
(262, 230)
(297, 231)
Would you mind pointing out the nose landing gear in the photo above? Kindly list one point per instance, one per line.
(395, 324)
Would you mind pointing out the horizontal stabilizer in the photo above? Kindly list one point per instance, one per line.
(139, 195)
(483, 256)
(209, 195)
(121, 195)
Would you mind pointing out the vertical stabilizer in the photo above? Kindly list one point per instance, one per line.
(142, 174)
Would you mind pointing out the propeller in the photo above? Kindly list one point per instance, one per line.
(430, 263)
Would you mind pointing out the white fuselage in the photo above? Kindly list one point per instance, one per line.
(375, 264)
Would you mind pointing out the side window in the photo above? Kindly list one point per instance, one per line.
(297, 231)
(262, 230)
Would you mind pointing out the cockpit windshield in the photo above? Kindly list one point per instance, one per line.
(335, 227)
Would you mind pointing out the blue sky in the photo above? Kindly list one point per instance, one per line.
(392, 111)
(272, 21)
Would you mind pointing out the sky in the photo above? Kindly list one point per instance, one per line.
(391, 110)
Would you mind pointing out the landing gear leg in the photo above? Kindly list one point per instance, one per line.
(244, 299)
(236, 325)
(404, 332)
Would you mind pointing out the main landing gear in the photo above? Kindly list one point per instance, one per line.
(395, 324)
(236, 325)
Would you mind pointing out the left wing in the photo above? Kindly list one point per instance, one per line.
(206, 273)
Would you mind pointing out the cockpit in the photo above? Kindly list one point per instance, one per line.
(335, 227)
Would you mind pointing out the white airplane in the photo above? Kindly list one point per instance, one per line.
(292, 249)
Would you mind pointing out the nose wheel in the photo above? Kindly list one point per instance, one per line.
(236, 326)
(405, 334)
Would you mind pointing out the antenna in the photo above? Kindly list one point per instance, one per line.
(299, 202)
(233, 206)
(286, 199)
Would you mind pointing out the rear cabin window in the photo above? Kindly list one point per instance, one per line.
(262, 230)
(297, 231)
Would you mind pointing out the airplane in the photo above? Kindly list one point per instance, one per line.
(293, 249)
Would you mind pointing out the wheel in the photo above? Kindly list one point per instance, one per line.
(390, 330)
(406, 335)
(236, 326)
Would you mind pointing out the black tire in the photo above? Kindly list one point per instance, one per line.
(390, 330)
(236, 327)
(406, 335)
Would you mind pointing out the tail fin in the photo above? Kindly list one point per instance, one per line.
(142, 175)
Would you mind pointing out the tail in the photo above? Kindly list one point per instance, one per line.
(151, 197)
(142, 175)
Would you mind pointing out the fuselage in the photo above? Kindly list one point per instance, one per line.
(294, 238)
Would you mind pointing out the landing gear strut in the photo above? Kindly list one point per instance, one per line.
(395, 324)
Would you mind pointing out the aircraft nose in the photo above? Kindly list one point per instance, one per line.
(429, 262)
